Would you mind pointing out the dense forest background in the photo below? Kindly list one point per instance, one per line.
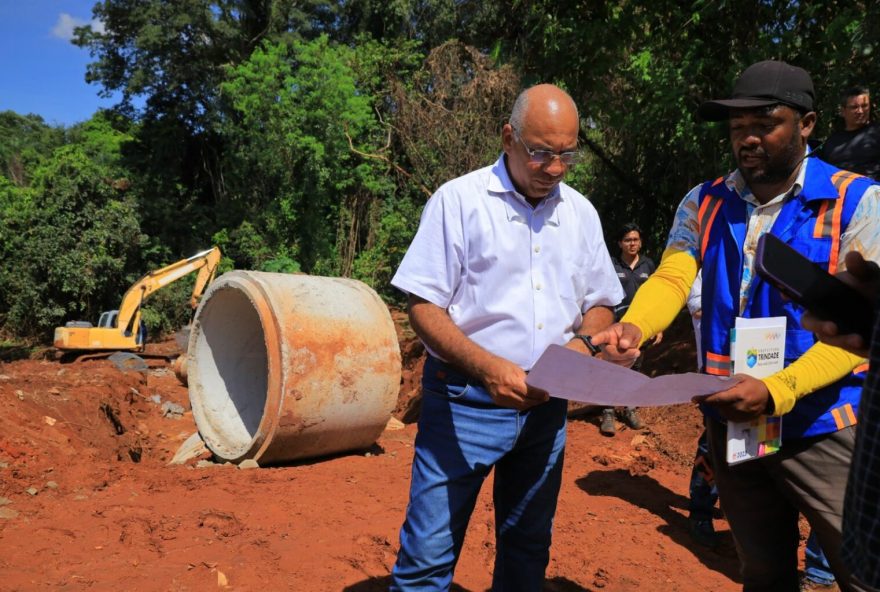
(306, 135)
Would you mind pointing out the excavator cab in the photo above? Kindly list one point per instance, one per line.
(108, 318)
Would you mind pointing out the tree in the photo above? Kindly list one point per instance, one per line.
(639, 71)
(70, 243)
(25, 140)
(301, 125)
(450, 114)
(168, 60)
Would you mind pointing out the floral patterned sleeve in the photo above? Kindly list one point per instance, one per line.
(685, 233)
(863, 232)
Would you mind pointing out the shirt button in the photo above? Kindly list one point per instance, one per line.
(538, 287)
(540, 326)
(538, 249)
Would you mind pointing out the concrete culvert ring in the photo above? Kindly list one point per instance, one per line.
(228, 372)
(283, 367)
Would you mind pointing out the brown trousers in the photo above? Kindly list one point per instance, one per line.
(762, 499)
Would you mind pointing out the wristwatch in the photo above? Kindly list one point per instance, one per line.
(594, 349)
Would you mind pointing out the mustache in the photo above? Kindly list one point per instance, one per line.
(752, 152)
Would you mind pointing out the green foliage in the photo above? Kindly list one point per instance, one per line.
(375, 265)
(25, 141)
(299, 118)
(69, 244)
(175, 53)
(168, 310)
(305, 136)
(281, 264)
(639, 71)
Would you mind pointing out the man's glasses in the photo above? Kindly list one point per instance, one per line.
(545, 157)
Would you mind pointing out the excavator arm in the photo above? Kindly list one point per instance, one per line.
(206, 262)
(122, 334)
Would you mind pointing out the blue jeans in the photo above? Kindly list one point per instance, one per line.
(816, 565)
(462, 436)
(703, 493)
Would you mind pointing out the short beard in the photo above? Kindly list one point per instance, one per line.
(779, 166)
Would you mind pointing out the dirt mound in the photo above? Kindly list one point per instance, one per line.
(88, 501)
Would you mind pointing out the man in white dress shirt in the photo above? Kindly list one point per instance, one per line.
(507, 260)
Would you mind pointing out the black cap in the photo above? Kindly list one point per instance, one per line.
(761, 85)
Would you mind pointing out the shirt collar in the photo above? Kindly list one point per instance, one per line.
(501, 183)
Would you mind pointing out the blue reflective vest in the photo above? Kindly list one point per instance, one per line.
(811, 222)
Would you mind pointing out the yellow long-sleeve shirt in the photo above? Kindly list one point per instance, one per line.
(662, 296)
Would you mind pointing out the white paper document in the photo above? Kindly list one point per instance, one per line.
(567, 374)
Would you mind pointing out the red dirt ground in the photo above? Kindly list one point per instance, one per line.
(88, 501)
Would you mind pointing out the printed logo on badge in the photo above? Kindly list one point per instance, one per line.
(751, 358)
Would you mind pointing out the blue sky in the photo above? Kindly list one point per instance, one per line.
(41, 71)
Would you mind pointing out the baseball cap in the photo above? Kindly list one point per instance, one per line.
(766, 83)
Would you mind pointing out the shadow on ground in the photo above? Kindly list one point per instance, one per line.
(645, 492)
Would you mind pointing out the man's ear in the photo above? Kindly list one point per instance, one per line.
(808, 123)
(507, 139)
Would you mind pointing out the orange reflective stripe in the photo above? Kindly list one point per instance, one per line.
(717, 364)
(706, 220)
(838, 420)
(850, 414)
(828, 219)
(835, 237)
(717, 181)
(861, 368)
(842, 179)
(820, 220)
(844, 416)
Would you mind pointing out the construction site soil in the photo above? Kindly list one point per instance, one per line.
(88, 500)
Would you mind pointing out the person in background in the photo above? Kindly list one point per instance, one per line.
(823, 212)
(856, 147)
(507, 260)
(632, 269)
(703, 495)
(861, 516)
(817, 572)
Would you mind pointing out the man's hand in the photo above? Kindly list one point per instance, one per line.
(745, 400)
(621, 341)
(864, 276)
(506, 383)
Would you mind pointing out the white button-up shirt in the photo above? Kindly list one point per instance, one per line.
(512, 278)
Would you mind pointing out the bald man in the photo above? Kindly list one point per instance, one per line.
(507, 260)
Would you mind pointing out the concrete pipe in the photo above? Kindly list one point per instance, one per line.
(284, 367)
(178, 366)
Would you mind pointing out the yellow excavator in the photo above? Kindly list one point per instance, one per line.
(122, 329)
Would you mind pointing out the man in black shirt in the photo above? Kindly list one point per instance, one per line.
(632, 270)
(855, 148)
